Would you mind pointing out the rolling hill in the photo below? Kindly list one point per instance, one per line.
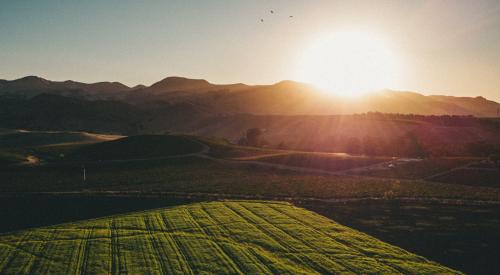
(283, 98)
(291, 113)
(137, 147)
(23, 138)
(446, 135)
(23, 147)
(56, 112)
(230, 237)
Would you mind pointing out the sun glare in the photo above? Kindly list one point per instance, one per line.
(350, 64)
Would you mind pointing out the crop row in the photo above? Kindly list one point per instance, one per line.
(217, 237)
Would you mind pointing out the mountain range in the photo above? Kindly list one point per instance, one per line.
(283, 98)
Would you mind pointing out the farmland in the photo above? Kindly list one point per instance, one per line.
(473, 177)
(250, 137)
(420, 168)
(323, 161)
(193, 175)
(216, 237)
(24, 138)
(150, 171)
(136, 147)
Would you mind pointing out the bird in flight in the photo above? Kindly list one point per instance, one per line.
(273, 12)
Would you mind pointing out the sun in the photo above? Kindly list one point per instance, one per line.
(350, 63)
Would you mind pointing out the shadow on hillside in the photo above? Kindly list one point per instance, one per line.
(32, 211)
(464, 237)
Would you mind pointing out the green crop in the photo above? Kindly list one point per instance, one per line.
(229, 237)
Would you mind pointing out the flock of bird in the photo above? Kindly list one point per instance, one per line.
(272, 12)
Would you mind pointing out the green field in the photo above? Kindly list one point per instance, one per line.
(108, 148)
(136, 147)
(193, 175)
(323, 161)
(150, 170)
(473, 177)
(21, 138)
(231, 237)
(221, 148)
(317, 160)
(188, 166)
(419, 169)
(18, 146)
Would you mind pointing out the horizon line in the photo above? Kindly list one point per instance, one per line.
(423, 93)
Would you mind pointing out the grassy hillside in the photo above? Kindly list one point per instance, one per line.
(221, 148)
(323, 161)
(149, 164)
(19, 138)
(419, 169)
(29, 147)
(54, 112)
(473, 177)
(385, 135)
(146, 146)
(370, 134)
(80, 146)
(219, 237)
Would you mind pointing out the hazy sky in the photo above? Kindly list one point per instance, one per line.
(447, 47)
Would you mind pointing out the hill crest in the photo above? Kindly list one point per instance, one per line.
(282, 98)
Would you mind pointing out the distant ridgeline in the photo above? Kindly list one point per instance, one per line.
(290, 114)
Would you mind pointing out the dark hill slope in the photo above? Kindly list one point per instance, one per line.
(386, 134)
(54, 112)
(138, 147)
(28, 139)
(340, 133)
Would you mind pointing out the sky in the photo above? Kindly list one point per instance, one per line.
(445, 47)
